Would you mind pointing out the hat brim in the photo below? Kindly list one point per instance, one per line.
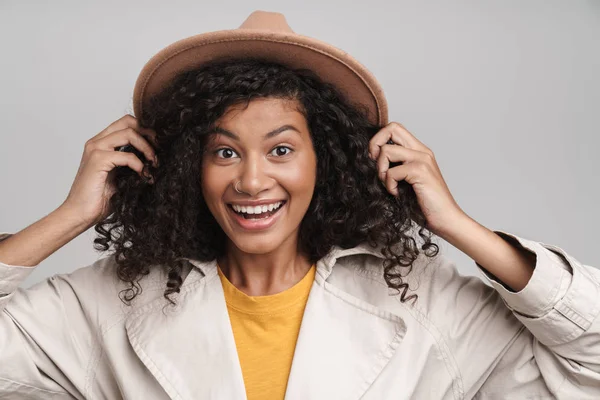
(331, 64)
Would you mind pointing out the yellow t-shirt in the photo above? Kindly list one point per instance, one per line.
(265, 329)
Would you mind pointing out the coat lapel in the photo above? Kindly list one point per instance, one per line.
(190, 350)
(344, 342)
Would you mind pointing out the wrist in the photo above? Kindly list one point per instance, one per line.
(72, 217)
(456, 227)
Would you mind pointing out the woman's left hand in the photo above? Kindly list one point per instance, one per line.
(419, 169)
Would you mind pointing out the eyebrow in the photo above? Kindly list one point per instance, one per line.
(268, 135)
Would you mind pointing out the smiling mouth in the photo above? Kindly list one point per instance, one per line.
(260, 215)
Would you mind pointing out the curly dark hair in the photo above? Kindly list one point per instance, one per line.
(161, 223)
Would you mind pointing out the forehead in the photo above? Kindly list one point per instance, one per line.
(262, 112)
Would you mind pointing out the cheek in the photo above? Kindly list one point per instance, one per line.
(301, 179)
(213, 186)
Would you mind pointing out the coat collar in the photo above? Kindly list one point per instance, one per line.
(343, 343)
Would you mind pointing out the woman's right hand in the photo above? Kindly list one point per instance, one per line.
(93, 186)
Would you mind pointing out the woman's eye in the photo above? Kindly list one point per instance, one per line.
(280, 151)
(225, 153)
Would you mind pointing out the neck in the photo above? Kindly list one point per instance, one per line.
(265, 274)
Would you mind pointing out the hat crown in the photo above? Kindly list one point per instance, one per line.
(265, 20)
(263, 35)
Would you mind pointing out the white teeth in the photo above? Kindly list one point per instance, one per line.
(257, 209)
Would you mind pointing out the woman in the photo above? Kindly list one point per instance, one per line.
(260, 213)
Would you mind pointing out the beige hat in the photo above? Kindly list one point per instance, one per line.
(264, 35)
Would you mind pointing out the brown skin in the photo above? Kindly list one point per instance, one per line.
(504, 259)
(269, 261)
(282, 167)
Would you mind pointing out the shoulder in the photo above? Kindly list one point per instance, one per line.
(448, 300)
(459, 315)
(93, 292)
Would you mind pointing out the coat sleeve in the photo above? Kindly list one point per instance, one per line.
(559, 352)
(44, 339)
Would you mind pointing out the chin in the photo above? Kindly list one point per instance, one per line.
(256, 245)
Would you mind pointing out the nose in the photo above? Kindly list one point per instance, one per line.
(254, 177)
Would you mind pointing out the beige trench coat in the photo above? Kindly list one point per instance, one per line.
(71, 337)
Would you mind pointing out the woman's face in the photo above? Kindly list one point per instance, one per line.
(267, 147)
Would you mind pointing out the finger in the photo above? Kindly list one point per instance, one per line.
(127, 121)
(391, 153)
(398, 134)
(379, 140)
(402, 136)
(395, 175)
(108, 160)
(125, 137)
(112, 159)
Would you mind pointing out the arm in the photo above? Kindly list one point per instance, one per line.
(49, 332)
(39, 240)
(556, 298)
(22, 251)
(504, 259)
(41, 327)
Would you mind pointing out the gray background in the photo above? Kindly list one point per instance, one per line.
(506, 94)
